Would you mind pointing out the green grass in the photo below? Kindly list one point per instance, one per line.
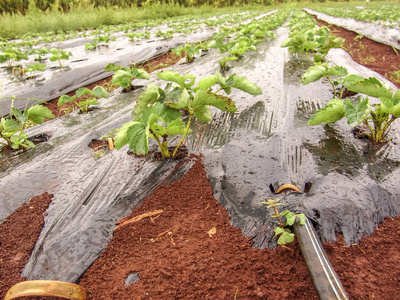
(37, 22)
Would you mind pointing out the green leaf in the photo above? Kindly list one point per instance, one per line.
(371, 87)
(83, 91)
(65, 99)
(203, 97)
(290, 217)
(178, 98)
(99, 92)
(121, 137)
(122, 78)
(206, 83)
(11, 126)
(302, 218)
(17, 114)
(331, 113)
(140, 74)
(149, 96)
(203, 113)
(185, 81)
(138, 138)
(176, 127)
(357, 113)
(38, 113)
(242, 83)
(285, 238)
(88, 102)
(112, 68)
(391, 106)
(315, 73)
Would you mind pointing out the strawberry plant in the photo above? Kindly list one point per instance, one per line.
(12, 128)
(58, 55)
(158, 112)
(282, 231)
(40, 53)
(189, 50)
(97, 92)
(376, 117)
(123, 76)
(11, 55)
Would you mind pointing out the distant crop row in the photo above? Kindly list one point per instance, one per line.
(386, 14)
(24, 6)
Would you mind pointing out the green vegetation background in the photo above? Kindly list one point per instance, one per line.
(20, 17)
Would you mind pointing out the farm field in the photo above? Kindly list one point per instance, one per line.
(219, 113)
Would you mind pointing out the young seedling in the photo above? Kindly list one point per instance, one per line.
(123, 76)
(158, 112)
(376, 117)
(97, 92)
(58, 55)
(282, 231)
(12, 128)
(11, 55)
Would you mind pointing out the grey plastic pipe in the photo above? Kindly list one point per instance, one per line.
(322, 274)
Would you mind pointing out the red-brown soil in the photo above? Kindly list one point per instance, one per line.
(178, 255)
(18, 235)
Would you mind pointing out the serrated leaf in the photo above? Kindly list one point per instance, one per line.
(312, 74)
(203, 97)
(88, 102)
(83, 91)
(65, 99)
(122, 78)
(242, 83)
(185, 81)
(11, 125)
(138, 138)
(290, 217)
(178, 98)
(391, 106)
(17, 114)
(302, 218)
(112, 67)
(203, 113)
(38, 113)
(121, 137)
(140, 74)
(357, 113)
(331, 113)
(371, 87)
(176, 127)
(99, 92)
(285, 238)
(206, 83)
(149, 96)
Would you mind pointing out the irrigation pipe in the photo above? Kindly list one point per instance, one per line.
(322, 274)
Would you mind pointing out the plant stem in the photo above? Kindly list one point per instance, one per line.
(278, 216)
(184, 134)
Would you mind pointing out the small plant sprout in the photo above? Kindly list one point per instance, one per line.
(97, 92)
(58, 55)
(283, 233)
(33, 68)
(189, 50)
(11, 55)
(12, 128)
(158, 112)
